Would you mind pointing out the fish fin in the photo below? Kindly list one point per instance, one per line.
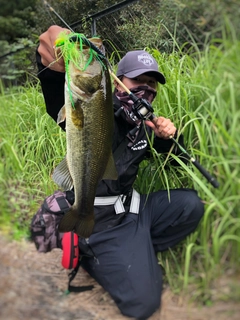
(68, 221)
(61, 175)
(85, 226)
(61, 115)
(72, 221)
(110, 171)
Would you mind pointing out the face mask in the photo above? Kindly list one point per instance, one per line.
(143, 92)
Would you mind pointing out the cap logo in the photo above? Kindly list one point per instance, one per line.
(146, 59)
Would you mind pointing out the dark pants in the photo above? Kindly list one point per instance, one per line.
(126, 264)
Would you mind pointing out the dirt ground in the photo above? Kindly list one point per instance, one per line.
(33, 287)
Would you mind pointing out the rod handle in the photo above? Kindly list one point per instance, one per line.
(205, 173)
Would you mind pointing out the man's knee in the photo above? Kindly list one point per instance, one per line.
(144, 295)
(141, 307)
(195, 206)
(191, 208)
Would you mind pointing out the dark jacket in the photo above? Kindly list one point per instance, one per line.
(128, 162)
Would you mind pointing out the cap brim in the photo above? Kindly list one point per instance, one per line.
(158, 75)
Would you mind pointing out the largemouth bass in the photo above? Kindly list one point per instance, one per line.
(88, 112)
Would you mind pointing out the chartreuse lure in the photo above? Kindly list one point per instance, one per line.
(71, 45)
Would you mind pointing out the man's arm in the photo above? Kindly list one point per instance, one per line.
(51, 72)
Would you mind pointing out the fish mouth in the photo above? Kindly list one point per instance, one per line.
(77, 91)
(85, 73)
(80, 94)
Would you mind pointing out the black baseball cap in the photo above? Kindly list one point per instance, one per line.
(135, 63)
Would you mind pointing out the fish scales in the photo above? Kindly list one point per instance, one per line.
(89, 132)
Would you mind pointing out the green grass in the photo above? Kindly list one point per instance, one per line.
(31, 145)
(202, 97)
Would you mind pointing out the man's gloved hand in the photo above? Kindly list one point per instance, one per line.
(47, 50)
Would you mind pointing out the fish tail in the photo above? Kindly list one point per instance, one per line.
(85, 226)
(72, 221)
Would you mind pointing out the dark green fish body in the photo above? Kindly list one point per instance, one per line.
(89, 132)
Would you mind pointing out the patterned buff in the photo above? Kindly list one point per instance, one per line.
(144, 92)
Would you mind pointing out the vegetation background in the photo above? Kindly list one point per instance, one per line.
(196, 44)
(157, 24)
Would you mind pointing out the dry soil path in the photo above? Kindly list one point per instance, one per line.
(32, 287)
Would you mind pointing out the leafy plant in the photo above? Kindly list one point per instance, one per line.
(202, 96)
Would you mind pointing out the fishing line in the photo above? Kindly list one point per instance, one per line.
(142, 108)
(59, 17)
(48, 11)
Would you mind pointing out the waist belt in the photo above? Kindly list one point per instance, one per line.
(118, 202)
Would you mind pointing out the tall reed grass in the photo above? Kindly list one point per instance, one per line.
(202, 97)
(31, 145)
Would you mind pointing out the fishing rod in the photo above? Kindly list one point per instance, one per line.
(59, 17)
(142, 109)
